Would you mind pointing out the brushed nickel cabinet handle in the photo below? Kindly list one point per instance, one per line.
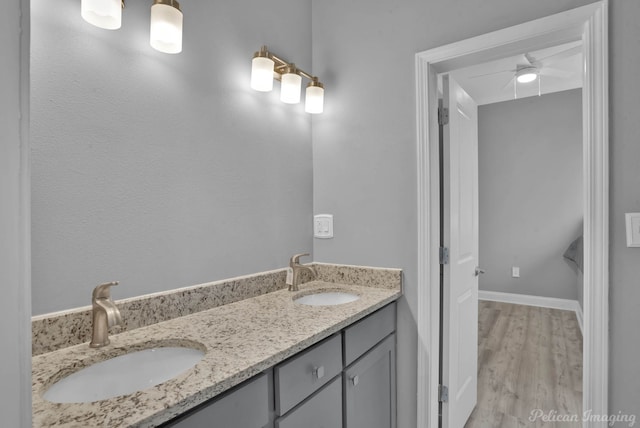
(318, 372)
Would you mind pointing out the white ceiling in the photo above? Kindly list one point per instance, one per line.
(493, 81)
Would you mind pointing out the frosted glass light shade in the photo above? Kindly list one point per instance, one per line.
(262, 74)
(105, 14)
(166, 26)
(290, 89)
(314, 99)
(526, 75)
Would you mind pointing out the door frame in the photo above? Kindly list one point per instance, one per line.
(588, 23)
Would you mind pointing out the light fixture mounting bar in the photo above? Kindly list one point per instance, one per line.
(282, 64)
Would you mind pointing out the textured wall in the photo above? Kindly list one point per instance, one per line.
(15, 335)
(364, 149)
(624, 308)
(530, 186)
(164, 171)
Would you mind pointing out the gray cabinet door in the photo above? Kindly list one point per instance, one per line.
(322, 410)
(245, 407)
(370, 388)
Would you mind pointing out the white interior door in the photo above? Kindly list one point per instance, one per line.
(460, 236)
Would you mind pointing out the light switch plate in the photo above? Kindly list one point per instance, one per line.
(515, 272)
(633, 229)
(323, 226)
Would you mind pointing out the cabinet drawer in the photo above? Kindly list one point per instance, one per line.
(323, 410)
(246, 407)
(305, 373)
(364, 334)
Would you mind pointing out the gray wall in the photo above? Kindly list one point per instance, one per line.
(530, 186)
(624, 307)
(15, 370)
(164, 171)
(364, 150)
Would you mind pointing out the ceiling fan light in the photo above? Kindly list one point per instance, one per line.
(526, 75)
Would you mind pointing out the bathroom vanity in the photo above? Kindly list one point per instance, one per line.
(269, 360)
(352, 373)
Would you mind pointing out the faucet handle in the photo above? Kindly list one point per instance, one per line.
(103, 291)
(295, 260)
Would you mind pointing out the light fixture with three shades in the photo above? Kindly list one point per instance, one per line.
(266, 67)
(166, 21)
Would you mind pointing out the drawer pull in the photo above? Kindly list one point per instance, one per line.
(318, 372)
(355, 380)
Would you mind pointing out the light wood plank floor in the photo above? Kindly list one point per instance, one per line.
(528, 358)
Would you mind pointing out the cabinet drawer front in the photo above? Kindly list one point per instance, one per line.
(303, 374)
(246, 407)
(323, 410)
(364, 334)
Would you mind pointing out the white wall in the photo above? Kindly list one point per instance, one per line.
(364, 149)
(164, 171)
(530, 187)
(15, 370)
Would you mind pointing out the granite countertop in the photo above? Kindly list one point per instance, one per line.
(241, 339)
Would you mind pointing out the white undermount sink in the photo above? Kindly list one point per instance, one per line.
(123, 375)
(327, 298)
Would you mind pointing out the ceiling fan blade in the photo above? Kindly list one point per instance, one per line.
(558, 56)
(491, 74)
(531, 60)
(556, 72)
(508, 83)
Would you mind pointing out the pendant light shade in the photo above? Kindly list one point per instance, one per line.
(262, 73)
(314, 97)
(291, 86)
(105, 14)
(166, 26)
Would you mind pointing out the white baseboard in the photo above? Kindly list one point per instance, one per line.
(525, 299)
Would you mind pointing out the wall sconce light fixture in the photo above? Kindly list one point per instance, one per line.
(166, 26)
(266, 66)
(165, 34)
(105, 14)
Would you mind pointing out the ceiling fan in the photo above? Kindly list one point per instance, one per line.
(532, 68)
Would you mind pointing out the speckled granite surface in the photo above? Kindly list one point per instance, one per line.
(359, 275)
(241, 339)
(50, 332)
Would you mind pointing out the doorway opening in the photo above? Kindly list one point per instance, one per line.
(519, 350)
(588, 24)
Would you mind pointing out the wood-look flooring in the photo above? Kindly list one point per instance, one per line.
(528, 358)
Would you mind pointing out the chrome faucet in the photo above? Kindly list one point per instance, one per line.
(105, 314)
(295, 269)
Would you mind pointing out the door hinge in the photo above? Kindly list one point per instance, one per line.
(444, 256)
(443, 116)
(443, 393)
